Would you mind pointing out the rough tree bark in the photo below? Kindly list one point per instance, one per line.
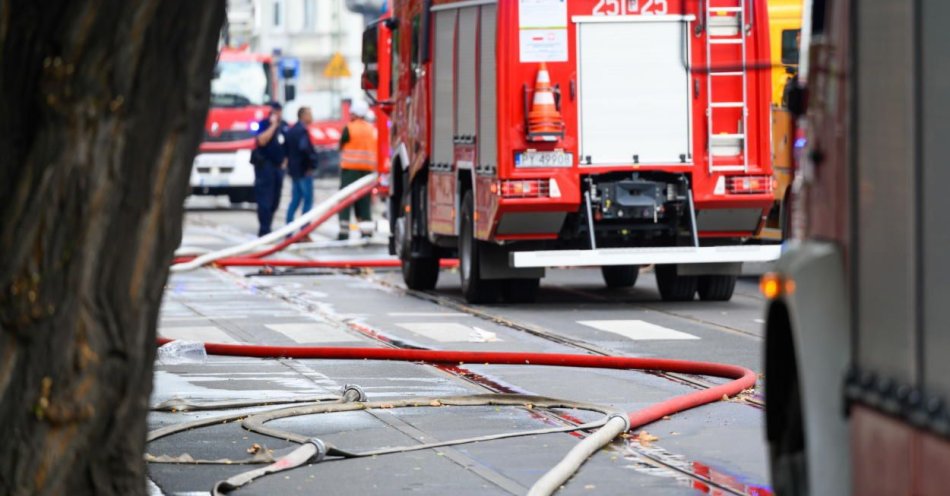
(102, 103)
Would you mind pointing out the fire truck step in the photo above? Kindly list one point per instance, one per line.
(645, 256)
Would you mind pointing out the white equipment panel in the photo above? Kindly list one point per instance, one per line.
(634, 92)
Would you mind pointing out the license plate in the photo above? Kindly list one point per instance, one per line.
(556, 158)
(212, 182)
(215, 160)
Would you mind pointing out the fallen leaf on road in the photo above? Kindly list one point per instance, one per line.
(254, 449)
(645, 438)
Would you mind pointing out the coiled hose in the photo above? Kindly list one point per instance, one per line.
(740, 378)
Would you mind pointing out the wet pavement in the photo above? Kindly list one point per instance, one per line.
(714, 449)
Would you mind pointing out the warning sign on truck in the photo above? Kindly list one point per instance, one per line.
(543, 30)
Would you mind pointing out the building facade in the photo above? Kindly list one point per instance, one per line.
(309, 30)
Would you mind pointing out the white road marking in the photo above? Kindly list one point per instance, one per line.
(204, 334)
(450, 332)
(312, 332)
(203, 317)
(637, 330)
(426, 314)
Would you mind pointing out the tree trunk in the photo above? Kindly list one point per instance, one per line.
(102, 105)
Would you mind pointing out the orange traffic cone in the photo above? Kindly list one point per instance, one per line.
(544, 121)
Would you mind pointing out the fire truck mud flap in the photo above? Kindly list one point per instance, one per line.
(645, 256)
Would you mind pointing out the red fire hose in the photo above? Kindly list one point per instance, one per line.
(372, 263)
(358, 191)
(742, 378)
(346, 202)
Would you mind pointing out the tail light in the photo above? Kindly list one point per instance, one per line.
(749, 185)
(522, 188)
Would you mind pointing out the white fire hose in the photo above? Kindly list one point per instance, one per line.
(318, 211)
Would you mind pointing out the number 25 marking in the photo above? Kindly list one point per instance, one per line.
(656, 7)
(608, 7)
(623, 7)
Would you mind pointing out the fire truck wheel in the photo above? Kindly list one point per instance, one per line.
(420, 274)
(716, 288)
(474, 288)
(787, 453)
(674, 287)
(521, 290)
(785, 217)
(620, 276)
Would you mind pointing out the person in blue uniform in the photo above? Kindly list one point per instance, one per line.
(270, 158)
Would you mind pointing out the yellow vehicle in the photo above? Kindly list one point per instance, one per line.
(785, 22)
(785, 26)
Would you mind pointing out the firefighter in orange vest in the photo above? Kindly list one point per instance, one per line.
(357, 159)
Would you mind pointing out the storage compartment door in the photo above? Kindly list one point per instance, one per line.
(634, 92)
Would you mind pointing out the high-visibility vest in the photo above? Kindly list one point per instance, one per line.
(359, 153)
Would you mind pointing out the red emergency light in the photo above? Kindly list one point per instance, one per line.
(522, 188)
(749, 185)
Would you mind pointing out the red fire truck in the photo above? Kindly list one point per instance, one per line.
(857, 380)
(546, 133)
(244, 82)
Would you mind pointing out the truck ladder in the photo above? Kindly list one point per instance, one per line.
(726, 25)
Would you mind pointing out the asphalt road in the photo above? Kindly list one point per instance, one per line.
(714, 449)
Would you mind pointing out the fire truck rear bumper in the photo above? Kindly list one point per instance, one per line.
(645, 256)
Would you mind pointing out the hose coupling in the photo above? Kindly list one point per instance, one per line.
(352, 392)
(321, 450)
(621, 416)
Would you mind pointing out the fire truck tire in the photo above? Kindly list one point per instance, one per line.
(420, 274)
(521, 290)
(785, 217)
(620, 276)
(674, 287)
(786, 454)
(474, 288)
(716, 288)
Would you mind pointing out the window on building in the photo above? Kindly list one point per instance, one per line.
(309, 15)
(278, 11)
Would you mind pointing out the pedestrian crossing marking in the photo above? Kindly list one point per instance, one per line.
(312, 332)
(637, 330)
(450, 332)
(202, 334)
(173, 318)
(426, 314)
